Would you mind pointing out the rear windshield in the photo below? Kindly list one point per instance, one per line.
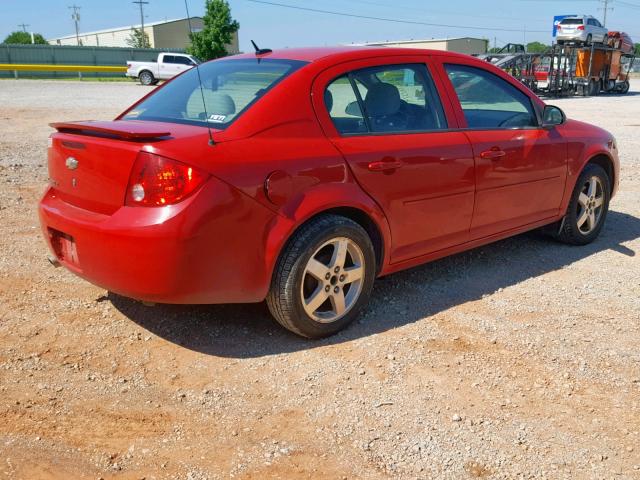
(229, 87)
(571, 21)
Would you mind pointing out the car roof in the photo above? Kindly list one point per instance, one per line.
(344, 53)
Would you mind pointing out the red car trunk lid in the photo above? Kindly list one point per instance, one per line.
(90, 162)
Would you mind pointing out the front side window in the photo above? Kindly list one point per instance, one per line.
(488, 101)
(385, 99)
(229, 88)
(168, 59)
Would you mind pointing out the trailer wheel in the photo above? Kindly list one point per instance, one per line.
(594, 87)
(625, 87)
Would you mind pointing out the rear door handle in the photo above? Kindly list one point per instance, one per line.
(493, 153)
(384, 165)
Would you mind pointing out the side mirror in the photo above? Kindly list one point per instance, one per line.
(552, 116)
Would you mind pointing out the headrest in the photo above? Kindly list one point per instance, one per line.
(328, 100)
(221, 104)
(382, 99)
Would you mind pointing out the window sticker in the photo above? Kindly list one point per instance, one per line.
(217, 118)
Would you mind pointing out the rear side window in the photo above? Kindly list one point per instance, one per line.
(385, 99)
(168, 59)
(229, 88)
(488, 101)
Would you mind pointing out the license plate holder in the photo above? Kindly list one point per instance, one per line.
(64, 246)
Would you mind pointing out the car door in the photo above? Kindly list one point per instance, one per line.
(520, 168)
(168, 67)
(386, 117)
(183, 63)
(601, 32)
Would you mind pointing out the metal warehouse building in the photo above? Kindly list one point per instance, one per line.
(165, 34)
(468, 45)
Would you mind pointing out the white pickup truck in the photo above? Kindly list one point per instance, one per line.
(167, 66)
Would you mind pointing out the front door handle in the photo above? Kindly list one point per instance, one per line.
(384, 165)
(493, 153)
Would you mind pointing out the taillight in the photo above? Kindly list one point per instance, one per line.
(156, 181)
(580, 27)
(559, 27)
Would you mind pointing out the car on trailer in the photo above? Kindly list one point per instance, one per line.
(299, 176)
(581, 29)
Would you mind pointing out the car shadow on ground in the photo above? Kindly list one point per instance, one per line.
(244, 331)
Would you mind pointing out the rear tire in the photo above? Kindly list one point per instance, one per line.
(587, 208)
(323, 277)
(146, 78)
(589, 40)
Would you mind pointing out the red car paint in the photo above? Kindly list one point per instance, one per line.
(283, 162)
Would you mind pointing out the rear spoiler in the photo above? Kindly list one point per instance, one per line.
(123, 129)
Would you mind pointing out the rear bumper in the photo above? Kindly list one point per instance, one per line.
(575, 37)
(206, 249)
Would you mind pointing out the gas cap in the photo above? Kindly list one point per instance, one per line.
(278, 187)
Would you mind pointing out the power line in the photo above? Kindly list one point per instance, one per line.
(23, 26)
(393, 20)
(431, 11)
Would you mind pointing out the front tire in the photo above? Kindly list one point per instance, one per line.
(323, 277)
(588, 207)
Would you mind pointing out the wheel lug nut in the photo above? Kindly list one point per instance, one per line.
(327, 276)
(327, 288)
(337, 269)
(342, 278)
(336, 290)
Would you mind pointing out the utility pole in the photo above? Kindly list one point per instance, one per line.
(75, 16)
(144, 38)
(23, 26)
(606, 8)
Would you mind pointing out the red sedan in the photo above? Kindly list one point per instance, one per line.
(300, 176)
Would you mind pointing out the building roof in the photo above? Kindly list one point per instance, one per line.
(426, 40)
(128, 27)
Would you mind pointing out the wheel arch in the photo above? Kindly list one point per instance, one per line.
(141, 71)
(364, 211)
(604, 161)
(366, 222)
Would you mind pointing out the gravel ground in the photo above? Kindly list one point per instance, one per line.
(520, 359)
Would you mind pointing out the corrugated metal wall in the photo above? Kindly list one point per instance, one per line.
(73, 55)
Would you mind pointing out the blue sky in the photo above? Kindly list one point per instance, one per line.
(275, 27)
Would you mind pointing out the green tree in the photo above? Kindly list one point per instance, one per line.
(138, 39)
(637, 48)
(24, 37)
(218, 31)
(536, 47)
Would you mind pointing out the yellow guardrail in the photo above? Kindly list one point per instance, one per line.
(61, 68)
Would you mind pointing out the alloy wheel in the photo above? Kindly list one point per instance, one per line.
(332, 280)
(590, 205)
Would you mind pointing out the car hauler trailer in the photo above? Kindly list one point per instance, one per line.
(568, 69)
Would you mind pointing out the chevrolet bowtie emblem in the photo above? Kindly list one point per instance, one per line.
(71, 163)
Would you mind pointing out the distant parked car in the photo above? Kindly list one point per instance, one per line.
(621, 41)
(584, 28)
(167, 66)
